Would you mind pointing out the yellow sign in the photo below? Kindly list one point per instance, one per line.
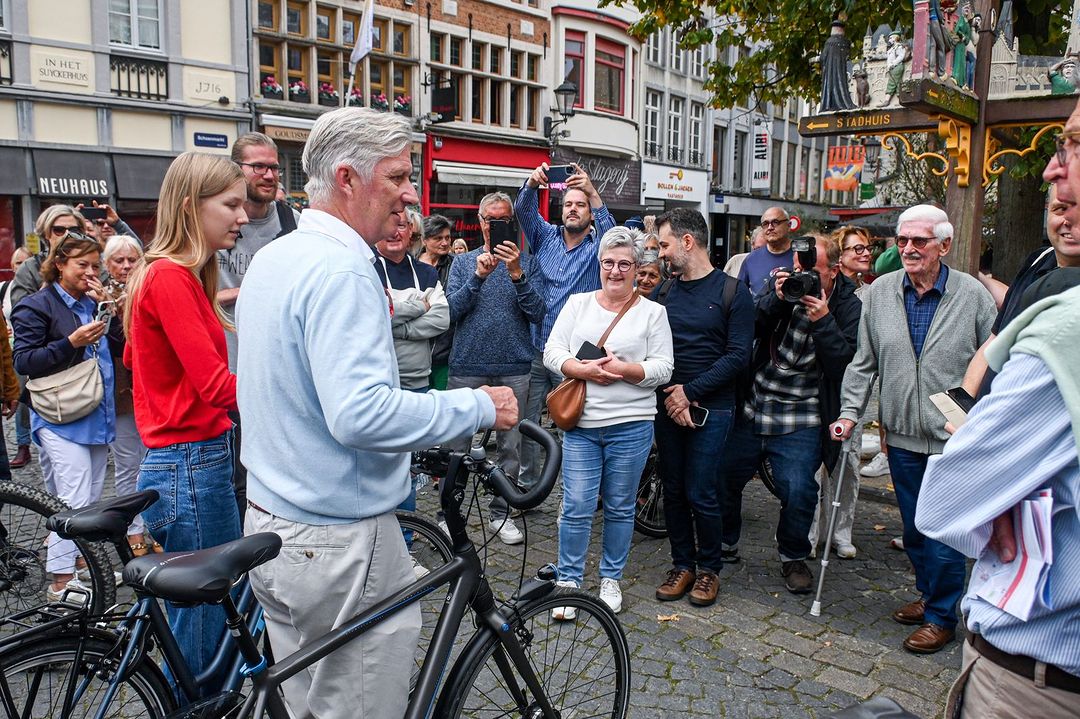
(293, 134)
(33, 243)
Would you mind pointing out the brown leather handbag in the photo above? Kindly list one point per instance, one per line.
(566, 402)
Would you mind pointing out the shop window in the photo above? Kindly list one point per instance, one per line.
(534, 68)
(573, 61)
(437, 40)
(136, 23)
(378, 34)
(296, 18)
(495, 58)
(350, 25)
(653, 103)
(477, 98)
(455, 51)
(268, 16)
(478, 55)
(294, 176)
(495, 102)
(608, 86)
(402, 44)
(324, 24)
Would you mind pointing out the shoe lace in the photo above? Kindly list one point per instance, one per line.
(673, 577)
(704, 582)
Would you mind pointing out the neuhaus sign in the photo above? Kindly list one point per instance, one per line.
(78, 175)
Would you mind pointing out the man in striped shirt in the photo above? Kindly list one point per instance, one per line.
(567, 256)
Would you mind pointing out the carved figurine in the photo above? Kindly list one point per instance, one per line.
(835, 56)
(964, 35)
(895, 57)
(939, 33)
(1063, 75)
(862, 86)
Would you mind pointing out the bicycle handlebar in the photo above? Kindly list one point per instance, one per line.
(531, 498)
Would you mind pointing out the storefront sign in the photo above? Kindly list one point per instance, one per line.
(55, 67)
(864, 121)
(660, 182)
(762, 165)
(293, 134)
(616, 179)
(845, 164)
(444, 101)
(79, 175)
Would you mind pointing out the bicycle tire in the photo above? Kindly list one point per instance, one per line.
(23, 511)
(428, 531)
(649, 510)
(476, 687)
(36, 677)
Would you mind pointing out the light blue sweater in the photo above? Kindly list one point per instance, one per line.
(327, 428)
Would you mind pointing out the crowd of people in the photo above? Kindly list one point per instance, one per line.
(358, 331)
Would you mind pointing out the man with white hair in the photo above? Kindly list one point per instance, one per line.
(919, 329)
(317, 379)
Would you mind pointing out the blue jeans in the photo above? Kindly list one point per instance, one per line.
(22, 425)
(794, 458)
(197, 509)
(541, 381)
(689, 460)
(940, 570)
(604, 461)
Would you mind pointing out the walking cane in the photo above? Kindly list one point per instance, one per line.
(845, 447)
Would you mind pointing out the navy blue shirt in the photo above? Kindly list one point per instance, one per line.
(759, 266)
(406, 274)
(920, 310)
(711, 348)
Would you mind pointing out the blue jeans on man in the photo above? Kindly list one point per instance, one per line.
(689, 460)
(196, 510)
(794, 459)
(541, 381)
(940, 570)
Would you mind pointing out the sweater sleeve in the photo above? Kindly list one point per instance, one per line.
(558, 350)
(175, 301)
(462, 288)
(660, 357)
(429, 324)
(529, 300)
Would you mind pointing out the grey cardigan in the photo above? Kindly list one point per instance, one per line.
(962, 323)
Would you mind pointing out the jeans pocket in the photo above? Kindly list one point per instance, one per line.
(164, 478)
(210, 453)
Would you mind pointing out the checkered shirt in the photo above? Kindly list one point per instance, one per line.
(785, 396)
(920, 310)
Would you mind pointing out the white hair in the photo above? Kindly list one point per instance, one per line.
(943, 229)
(121, 242)
(357, 137)
(620, 236)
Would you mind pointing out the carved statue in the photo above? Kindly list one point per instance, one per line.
(862, 86)
(835, 56)
(1063, 75)
(964, 35)
(939, 33)
(895, 57)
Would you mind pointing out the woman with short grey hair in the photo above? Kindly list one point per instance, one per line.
(620, 236)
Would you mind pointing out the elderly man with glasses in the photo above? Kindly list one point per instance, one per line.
(761, 263)
(918, 332)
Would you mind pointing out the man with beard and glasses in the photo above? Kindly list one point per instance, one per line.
(567, 257)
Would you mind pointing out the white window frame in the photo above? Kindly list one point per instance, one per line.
(676, 108)
(676, 55)
(652, 119)
(654, 46)
(697, 61)
(133, 18)
(695, 127)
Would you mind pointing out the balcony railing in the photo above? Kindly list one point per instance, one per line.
(138, 78)
(5, 62)
(675, 154)
(654, 150)
(695, 158)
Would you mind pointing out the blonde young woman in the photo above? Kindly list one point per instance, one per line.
(183, 390)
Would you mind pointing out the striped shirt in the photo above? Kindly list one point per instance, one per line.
(564, 272)
(1017, 440)
(920, 310)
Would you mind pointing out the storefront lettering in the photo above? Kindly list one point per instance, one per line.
(461, 225)
(614, 179)
(674, 186)
(73, 187)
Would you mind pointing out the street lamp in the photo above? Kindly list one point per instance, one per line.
(565, 99)
(872, 146)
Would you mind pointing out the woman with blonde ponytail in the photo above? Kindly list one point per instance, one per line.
(182, 388)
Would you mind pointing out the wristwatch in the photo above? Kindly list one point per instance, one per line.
(519, 280)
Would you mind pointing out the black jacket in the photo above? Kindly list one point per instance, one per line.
(42, 323)
(835, 336)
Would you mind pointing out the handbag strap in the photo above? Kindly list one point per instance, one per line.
(623, 311)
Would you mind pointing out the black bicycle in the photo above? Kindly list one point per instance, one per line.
(519, 662)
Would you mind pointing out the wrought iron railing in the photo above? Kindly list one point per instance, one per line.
(675, 154)
(654, 150)
(138, 77)
(5, 62)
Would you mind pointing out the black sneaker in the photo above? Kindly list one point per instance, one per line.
(729, 556)
(797, 577)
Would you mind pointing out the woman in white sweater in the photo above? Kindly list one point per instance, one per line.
(605, 454)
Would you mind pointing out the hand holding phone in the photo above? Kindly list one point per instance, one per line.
(559, 174)
(94, 214)
(698, 415)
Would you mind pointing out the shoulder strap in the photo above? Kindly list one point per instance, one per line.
(625, 308)
(1042, 254)
(731, 286)
(285, 218)
(665, 288)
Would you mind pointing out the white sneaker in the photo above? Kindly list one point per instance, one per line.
(80, 593)
(564, 614)
(419, 570)
(876, 467)
(871, 445)
(508, 531)
(84, 576)
(845, 550)
(610, 594)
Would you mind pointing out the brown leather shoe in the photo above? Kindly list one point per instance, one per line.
(928, 638)
(676, 585)
(797, 577)
(21, 458)
(911, 613)
(705, 587)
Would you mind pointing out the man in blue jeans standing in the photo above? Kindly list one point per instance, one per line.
(712, 325)
(804, 342)
(918, 332)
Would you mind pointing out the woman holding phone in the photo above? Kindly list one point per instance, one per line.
(55, 329)
(182, 388)
(604, 455)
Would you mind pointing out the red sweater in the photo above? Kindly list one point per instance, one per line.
(176, 351)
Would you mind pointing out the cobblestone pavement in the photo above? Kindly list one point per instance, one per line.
(757, 652)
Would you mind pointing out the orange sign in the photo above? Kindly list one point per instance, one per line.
(845, 165)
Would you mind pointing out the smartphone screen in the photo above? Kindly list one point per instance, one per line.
(559, 174)
(93, 213)
(500, 231)
(698, 415)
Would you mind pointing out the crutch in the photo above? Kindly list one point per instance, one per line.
(845, 448)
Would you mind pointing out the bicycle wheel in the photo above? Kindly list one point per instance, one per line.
(23, 547)
(583, 664)
(429, 549)
(649, 512)
(38, 676)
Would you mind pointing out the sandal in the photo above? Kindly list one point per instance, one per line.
(158, 549)
(139, 549)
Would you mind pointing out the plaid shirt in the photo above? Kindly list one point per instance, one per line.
(920, 310)
(785, 396)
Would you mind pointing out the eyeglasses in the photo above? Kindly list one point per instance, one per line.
(1061, 149)
(859, 249)
(774, 223)
(917, 242)
(623, 265)
(61, 230)
(260, 169)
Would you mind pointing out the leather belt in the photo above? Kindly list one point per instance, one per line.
(256, 507)
(1025, 666)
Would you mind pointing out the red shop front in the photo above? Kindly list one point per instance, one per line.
(458, 172)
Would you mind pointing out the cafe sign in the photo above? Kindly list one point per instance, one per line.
(661, 182)
(616, 179)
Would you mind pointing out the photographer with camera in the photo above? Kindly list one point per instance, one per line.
(806, 330)
(493, 301)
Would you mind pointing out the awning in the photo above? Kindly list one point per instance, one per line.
(80, 176)
(462, 173)
(13, 171)
(139, 177)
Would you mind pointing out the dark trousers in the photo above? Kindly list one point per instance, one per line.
(689, 461)
(239, 475)
(940, 570)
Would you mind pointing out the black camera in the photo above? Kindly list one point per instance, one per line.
(807, 281)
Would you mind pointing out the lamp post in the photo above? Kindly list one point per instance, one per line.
(565, 99)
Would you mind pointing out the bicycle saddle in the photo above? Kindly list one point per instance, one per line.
(106, 520)
(202, 577)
